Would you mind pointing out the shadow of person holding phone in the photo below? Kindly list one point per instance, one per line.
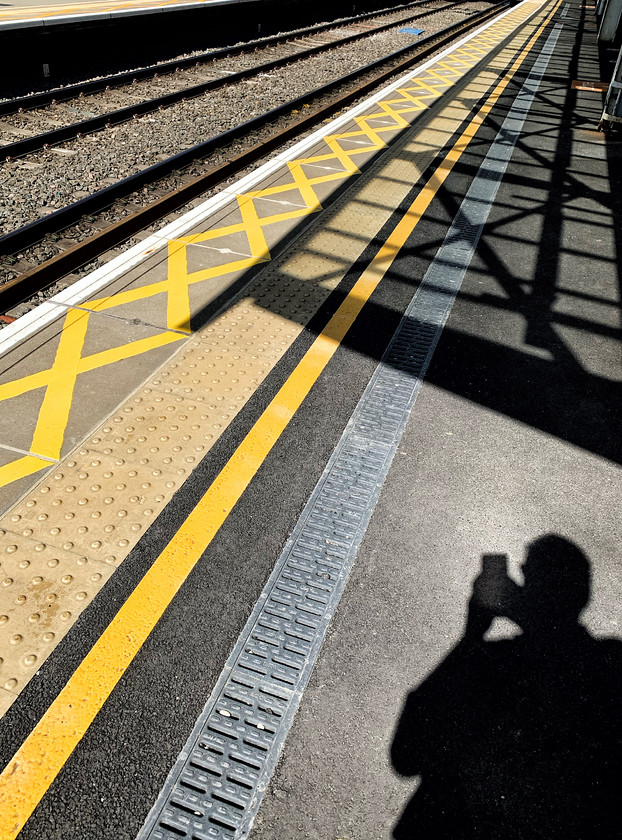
(518, 738)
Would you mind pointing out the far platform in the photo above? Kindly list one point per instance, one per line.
(29, 13)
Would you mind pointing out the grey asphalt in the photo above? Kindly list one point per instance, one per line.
(515, 434)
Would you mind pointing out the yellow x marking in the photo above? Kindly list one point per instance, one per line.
(338, 160)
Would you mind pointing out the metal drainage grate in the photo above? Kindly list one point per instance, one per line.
(218, 781)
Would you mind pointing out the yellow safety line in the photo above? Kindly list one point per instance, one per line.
(43, 754)
(54, 414)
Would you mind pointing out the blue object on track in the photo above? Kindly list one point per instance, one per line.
(409, 30)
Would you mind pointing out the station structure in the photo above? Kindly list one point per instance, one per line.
(310, 500)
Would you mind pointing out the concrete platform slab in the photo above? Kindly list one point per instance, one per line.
(70, 356)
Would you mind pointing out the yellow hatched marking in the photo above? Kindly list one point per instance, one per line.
(54, 414)
(178, 298)
(253, 226)
(388, 111)
(348, 135)
(213, 233)
(440, 76)
(175, 287)
(341, 156)
(422, 89)
(449, 68)
(415, 103)
(60, 379)
(21, 468)
(465, 63)
(305, 186)
(435, 90)
(372, 132)
(88, 363)
(125, 351)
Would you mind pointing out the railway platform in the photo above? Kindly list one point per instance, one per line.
(250, 469)
(25, 14)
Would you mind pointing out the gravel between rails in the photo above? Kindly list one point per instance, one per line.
(41, 182)
(37, 121)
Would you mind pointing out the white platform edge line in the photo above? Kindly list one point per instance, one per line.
(78, 292)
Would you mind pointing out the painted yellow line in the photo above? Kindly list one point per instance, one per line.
(60, 384)
(43, 754)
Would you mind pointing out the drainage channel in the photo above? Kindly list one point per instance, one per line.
(217, 783)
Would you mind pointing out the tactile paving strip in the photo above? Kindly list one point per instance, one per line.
(98, 502)
(215, 788)
(49, 587)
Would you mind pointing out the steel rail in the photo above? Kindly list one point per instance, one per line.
(36, 279)
(38, 100)
(121, 115)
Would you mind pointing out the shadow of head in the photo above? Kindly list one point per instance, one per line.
(557, 580)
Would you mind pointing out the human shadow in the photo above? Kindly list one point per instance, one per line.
(518, 738)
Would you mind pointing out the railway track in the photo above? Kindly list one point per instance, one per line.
(273, 128)
(142, 90)
(70, 91)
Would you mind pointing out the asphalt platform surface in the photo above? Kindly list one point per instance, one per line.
(514, 435)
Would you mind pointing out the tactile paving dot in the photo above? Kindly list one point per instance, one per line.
(43, 590)
(214, 376)
(96, 503)
(251, 329)
(298, 303)
(164, 433)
